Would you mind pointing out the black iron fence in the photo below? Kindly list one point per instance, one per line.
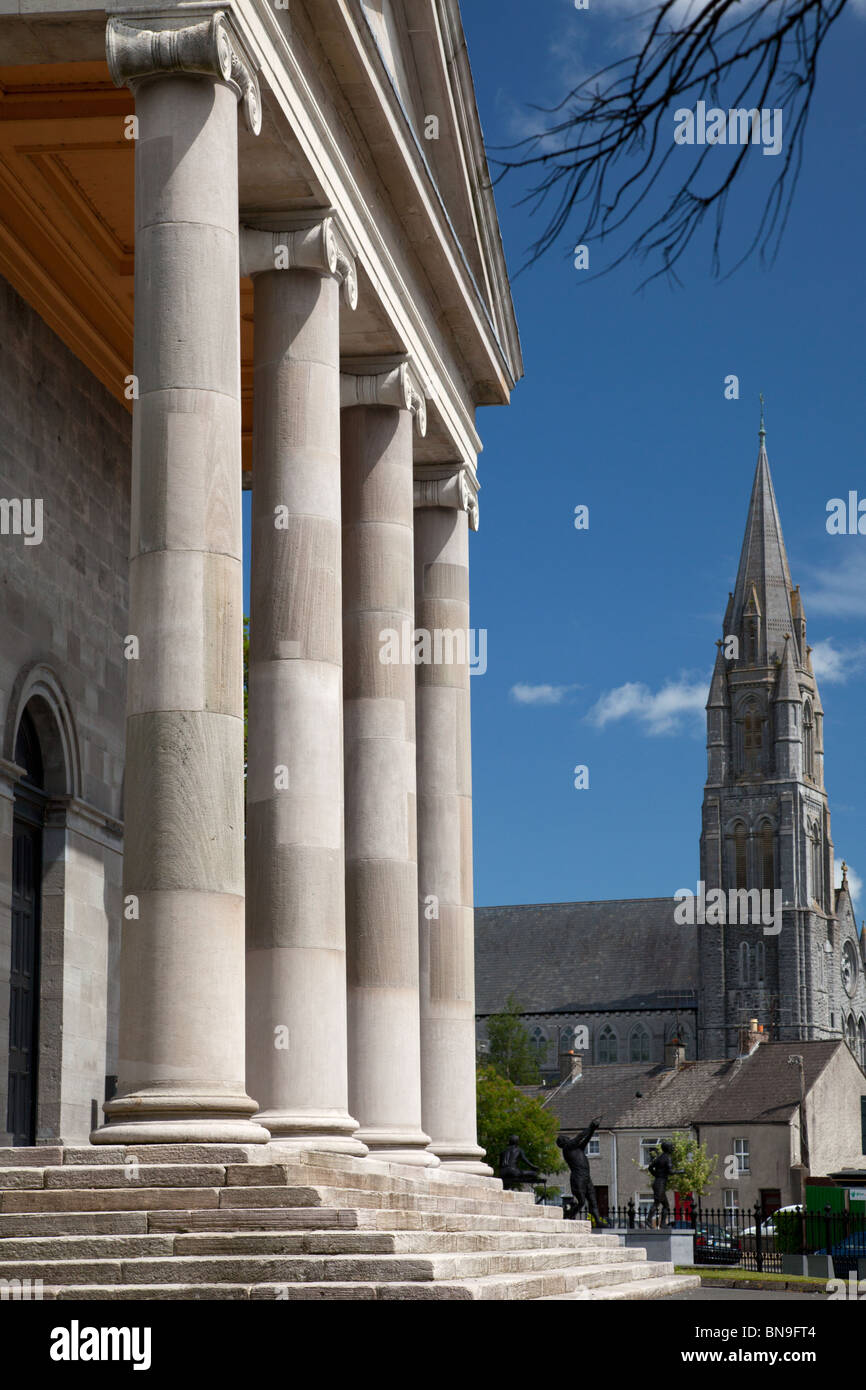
(754, 1241)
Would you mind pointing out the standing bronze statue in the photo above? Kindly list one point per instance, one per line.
(514, 1166)
(574, 1153)
(661, 1170)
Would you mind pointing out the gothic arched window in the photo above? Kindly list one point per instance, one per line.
(608, 1045)
(861, 1042)
(566, 1039)
(767, 848)
(808, 742)
(760, 959)
(851, 1034)
(753, 738)
(538, 1039)
(817, 864)
(741, 856)
(639, 1045)
(745, 963)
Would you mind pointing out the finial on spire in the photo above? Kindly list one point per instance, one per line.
(844, 873)
(762, 433)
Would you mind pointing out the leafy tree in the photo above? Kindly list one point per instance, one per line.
(695, 1170)
(512, 1052)
(609, 140)
(503, 1110)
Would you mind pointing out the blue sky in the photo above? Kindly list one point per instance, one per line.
(622, 408)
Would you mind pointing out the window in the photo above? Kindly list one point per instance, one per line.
(608, 1046)
(538, 1039)
(741, 869)
(745, 963)
(753, 740)
(817, 865)
(593, 1148)
(768, 856)
(741, 1154)
(639, 1046)
(647, 1150)
(861, 1038)
(731, 1202)
(808, 742)
(566, 1040)
(851, 1034)
(760, 963)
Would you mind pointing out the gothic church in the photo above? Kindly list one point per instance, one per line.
(627, 971)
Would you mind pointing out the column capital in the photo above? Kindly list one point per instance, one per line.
(307, 242)
(383, 381)
(210, 48)
(448, 485)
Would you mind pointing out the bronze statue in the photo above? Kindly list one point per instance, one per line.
(514, 1166)
(661, 1170)
(574, 1153)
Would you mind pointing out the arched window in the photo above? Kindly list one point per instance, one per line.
(753, 739)
(608, 1046)
(861, 1042)
(741, 856)
(767, 846)
(745, 963)
(760, 959)
(538, 1038)
(808, 741)
(817, 864)
(566, 1039)
(639, 1045)
(851, 1034)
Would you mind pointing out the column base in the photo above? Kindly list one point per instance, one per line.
(328, 1132)
(462, 1158)
(399, 1146)
(180, 1117)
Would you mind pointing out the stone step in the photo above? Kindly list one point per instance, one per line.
(364, 1218)
(636, 1282)
(71, 1247)
(239, 1268)
(665, 1286)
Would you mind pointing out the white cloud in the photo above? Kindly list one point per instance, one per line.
(855, 882)
(836, 664)
(841, 589)
(660, 712)
(540, 694)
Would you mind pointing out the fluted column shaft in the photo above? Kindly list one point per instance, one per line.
(381, 854)
(444, 781)
(296, 964)
(181, 1067)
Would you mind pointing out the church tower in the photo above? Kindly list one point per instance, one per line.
(766, 822)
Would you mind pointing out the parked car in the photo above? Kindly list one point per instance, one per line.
(716, 1245)
(768, 1227)
(846, 1253)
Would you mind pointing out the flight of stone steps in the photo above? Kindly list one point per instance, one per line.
(264, 1222)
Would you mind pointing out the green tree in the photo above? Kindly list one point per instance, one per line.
(503, 1110)
(695, 1170)
(512, 1052)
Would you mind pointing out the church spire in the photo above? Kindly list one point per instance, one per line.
(762, 594)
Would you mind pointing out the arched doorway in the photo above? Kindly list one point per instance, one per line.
(27, 835)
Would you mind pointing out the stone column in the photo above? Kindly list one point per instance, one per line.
(381, 853)
(445, 505)
(296, 938)
(181, 1063)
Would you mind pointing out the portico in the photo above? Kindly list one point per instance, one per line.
(319, 323)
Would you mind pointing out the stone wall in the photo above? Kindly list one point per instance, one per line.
(63, 616)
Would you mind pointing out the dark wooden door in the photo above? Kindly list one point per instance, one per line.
(771, 1200)
(24, 978)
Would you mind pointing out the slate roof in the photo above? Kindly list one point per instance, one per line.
(759, 1089)
(613, 955)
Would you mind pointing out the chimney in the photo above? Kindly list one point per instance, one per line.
(675, 1053)
(750, 1035)
(570, 1066)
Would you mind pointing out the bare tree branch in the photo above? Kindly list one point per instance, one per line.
(603, 158)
